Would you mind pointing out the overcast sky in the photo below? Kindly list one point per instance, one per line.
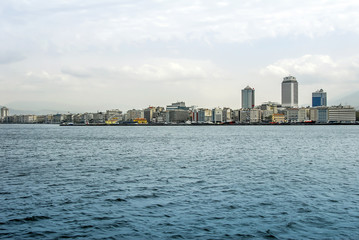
(91, 55)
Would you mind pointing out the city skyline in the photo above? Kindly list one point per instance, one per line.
(75, 56)
(289, 98)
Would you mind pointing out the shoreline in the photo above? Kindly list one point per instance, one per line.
(198, 124)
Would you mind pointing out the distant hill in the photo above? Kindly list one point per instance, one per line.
(35, 112)
(351, 99)
(39, 108)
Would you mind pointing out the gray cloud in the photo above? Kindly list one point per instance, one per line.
(159, 70)
(320, 67)
(76, 72)
(203, 51)
(7, 57)
(78, 25)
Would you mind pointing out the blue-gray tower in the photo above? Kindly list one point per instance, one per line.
(319, 98)
(248, 98)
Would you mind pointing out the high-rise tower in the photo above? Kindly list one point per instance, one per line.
(289, 92)
(248, 98)
(319, 98)
(4, 112)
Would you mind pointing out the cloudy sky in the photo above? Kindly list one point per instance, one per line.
(75, 55)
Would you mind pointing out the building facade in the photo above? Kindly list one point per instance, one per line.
(255, 116)
(341, 114)
(248, 98)
(177, 116)
(303, 114)
(217, 115)
(290, 92)
(4, 112)
(292, 115)
(323, 115)
(319, 98)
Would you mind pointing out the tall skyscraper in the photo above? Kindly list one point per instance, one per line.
(289, 92)
(248, 98)
(319, 98)
(4, 112)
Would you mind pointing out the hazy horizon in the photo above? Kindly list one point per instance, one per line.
(98, 55)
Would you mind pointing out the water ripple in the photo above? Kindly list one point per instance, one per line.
(295, 182)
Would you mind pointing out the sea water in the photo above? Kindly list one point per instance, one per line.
(179, 182)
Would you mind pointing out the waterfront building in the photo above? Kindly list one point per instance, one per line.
(341, 114)
(244, 116)
(98, 117)
(133, 114)
(319, 114)
(149, 114)
(217, 115)
(319, 98)
(30, 119)
(77, 118)
(236, 114)
(177, 113)
(204, 115)
(303, 114)
(48, 118)
(114, 115)
(323, 115)
(227, 115)
(292, 115)
(248, 98)
(313, 116)
(41, 119)
(69, 118)
(267, 115)
(272, 106)
(4, 112)
(58, 118)
(289, 92)
(159, 116)
(255, 115)
(195, 115)
(177, 116)
(84, 118)
(278, 118)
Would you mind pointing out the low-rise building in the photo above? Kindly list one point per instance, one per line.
(255, 115)
(177, 116)
(99, 117)
(267, 115)
(244, 116)
(114, 113)
(204, 115)
(149, 114)
(292, 115)
(133, 114)
(323, 115)
(303, 114)
(278, 118)
(217, 115)
(227, 115)
(58, 118)
(341, 114)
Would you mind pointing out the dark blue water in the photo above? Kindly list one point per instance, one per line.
(234, 182)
